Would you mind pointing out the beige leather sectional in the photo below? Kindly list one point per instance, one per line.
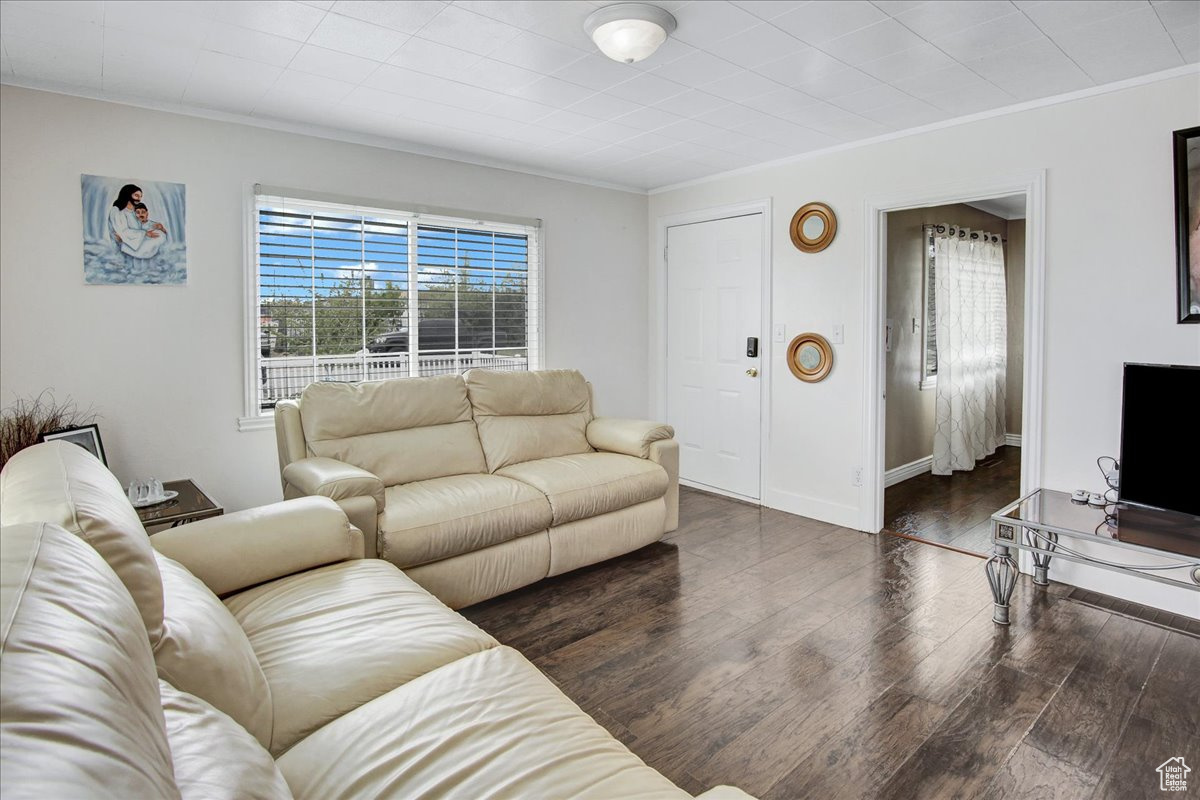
(258, 655)
(476, 485)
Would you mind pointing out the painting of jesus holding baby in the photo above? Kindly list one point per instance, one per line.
(133, 232)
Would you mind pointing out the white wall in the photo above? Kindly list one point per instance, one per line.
(164, 365)
(1110, 275)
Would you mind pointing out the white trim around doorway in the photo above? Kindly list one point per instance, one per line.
(658, 317)
(1033, 185)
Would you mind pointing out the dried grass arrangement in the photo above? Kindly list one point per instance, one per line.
(26, 419)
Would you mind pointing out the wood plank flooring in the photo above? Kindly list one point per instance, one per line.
(954, 510)
(796, 659)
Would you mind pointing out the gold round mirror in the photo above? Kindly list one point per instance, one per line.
(813, 227)
(809, 357)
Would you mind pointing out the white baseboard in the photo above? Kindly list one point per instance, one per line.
(817, 508)
(703, 487)
(905, 471)
(922, 465)
(1135, 588)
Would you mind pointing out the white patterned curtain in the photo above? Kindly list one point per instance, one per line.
(972, 335)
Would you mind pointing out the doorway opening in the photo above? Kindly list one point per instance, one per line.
(1031, 185)
(952, 367)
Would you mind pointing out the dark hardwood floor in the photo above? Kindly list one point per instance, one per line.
(953, 510)
(796, 659)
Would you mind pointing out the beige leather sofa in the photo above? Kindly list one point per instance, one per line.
(257, 655)
(476, 485)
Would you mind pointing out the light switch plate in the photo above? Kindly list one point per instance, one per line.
(839, 333)
(780, 332)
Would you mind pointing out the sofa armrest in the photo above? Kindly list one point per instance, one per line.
(633, 437)
(245, 548)
(643, 439)
(334, 479)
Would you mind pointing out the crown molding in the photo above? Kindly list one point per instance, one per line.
(413, 148)
(316, 131)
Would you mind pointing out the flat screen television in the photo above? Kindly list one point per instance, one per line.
(1160, 438)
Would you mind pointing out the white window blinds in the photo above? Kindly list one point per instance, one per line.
(346, 293)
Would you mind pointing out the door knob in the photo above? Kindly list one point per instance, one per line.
(752, 372)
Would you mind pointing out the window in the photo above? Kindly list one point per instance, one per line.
(344, 293)
(929, 361)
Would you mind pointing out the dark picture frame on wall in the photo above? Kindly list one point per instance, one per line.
(86, 436)
(1186, 144)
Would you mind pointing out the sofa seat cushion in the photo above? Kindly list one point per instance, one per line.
(435, 519)
(487, 726)
(334, 638)
(588, 484)
(215, 758)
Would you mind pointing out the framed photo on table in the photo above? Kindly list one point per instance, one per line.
(87, 437)
(1187, 221)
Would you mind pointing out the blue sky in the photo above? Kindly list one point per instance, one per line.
(341, 246)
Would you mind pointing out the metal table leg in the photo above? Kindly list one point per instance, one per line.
(1002, 577)
(1044, 544)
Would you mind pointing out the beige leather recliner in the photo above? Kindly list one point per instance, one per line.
(258, 656)
(479, 484)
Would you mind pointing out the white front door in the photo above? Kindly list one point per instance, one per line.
(714, 304)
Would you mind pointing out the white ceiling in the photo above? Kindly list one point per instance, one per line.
(1009, 207)
(519, 83)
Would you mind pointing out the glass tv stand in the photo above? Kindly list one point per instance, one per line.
(1047, 524)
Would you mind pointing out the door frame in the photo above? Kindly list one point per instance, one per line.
(1033, 184)
(658, 321)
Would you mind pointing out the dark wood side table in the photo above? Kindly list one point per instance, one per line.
(191, 504)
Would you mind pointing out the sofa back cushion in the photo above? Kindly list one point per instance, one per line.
(402, 430)
(65, 485)
(204, 651)
(214, 758)
(524, 416)
(80, 713)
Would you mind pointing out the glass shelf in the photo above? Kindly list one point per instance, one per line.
(1167, 532)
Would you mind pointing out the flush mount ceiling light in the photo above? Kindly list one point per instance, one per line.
(629, 32)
